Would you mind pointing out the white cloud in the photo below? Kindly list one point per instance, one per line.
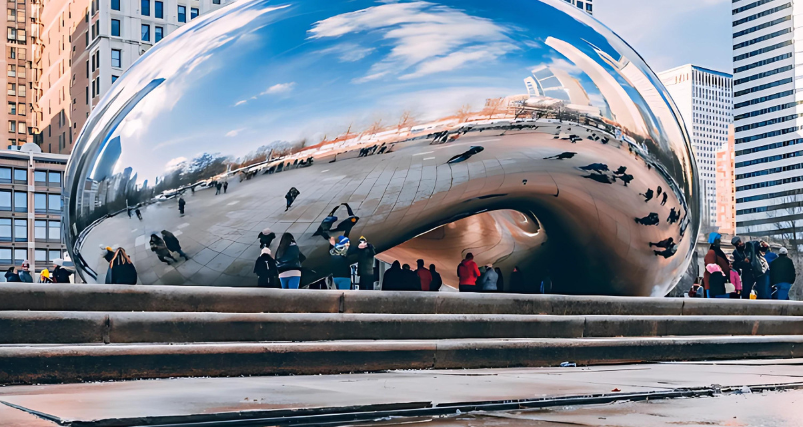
(240, 102)
(174, 163)
(348, 52)
(279, 88)
(233, 133)
(426, 38)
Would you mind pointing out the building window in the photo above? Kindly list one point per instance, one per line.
(12, 89)
(40, 203)
(12, 53)
(5, 256)
(116, 27)
(54, 230)
(54, 179)
(40, 177)
(20, 201)
(22, 127)
(12, 108)
(182, 14)
(146, 33)
(12, 70)
(194, 13)
(40, 255)
(5, 200)
(21, 109)
(215, 1)
(20, 230)
(40, 230)
(20, 255)
(54, 203)
(12, 34)
(53, 255)
(21, 90)
(5, 175)
(5, 229)
(158, 34)
(20, 176)
(12, 126)
(146, 8)
(21, 35)
(21, 72)
(115, 4)
(12, 15)
(114, 78)
(116, 58)
(158, 10)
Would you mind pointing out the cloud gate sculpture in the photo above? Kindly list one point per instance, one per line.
(523, 131)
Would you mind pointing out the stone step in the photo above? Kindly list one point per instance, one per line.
(71, 297)
(25, 327)
(27, 364)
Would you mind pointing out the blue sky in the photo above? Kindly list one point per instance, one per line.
(670, 33)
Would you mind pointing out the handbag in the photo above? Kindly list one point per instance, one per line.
(730, 288)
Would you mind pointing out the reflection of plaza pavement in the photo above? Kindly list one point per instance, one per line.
(394, 195)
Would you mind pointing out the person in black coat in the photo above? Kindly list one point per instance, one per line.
(365, 263)
(173, 244)
(517, 284)
(782, 275)
(265, 269)
(437, 281)
(123, 270)
(59, 273)
(181, 204)
(410, 280)
(393, 278)
(12, 276)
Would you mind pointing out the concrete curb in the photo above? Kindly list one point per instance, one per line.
(71, 297)
(53, 364)
(20, 327)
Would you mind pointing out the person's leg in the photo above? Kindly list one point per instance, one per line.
(763, 287)
(367, 282)
(783, 291)
(162, 258)
(285, 282)
(342, 283)
(294, 282)
(180, 252)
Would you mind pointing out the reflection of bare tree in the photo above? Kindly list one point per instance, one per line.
(375, 127)
(788, 223)
(492, 106)
(464, 112)
(406, 120)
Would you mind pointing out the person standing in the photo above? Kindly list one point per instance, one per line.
(410, 280)
(173, 244)
(782, 275)
(424, 276)
(763, 289)
(291, 197)
(122, 269)
(218, 186)
(339, 262)
(225, 186)
(500, 282)
(12, 276)
(487, 282)
(288, 262)
(392, 279)
(139, 214)
(266, 237)
(365, 263)
(468, 273)
(265, 269)
(517, 284)
(437, 281)
(59, 273)
(25, 272)
(742, 263)
(160, 249)
(717, 257)
(181, 204)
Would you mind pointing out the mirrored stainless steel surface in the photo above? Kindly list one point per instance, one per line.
(522, 130)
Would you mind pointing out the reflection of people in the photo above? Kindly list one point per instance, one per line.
(181, 204)
(663, 200)
(666, 243)
(291, 197)
(651, 219)
(345, 226)
(225, 186)
(160, 249)
(173, 244)
(668, 252)
(288, 262)
(266, 237)
(265, 269)
(561, 156)
(139, 214)
(648, 195)
(123, 270)
(465, 155)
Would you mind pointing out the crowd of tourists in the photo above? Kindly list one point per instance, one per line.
(752, 271)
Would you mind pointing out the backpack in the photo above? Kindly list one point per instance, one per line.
(751, 250)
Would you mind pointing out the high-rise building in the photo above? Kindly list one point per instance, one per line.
(22, 29)
(726, 201)
(31, 207)
(704, 98)
(587, 5)
(87, 45)
(768, 117)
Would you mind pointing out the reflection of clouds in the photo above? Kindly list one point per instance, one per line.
(175, 163)
(233, 133)
(427, 37)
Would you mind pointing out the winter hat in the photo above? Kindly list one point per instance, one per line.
(342, 241)
(713, 237)
(736, 240)
(59, 262)
(267, 231)
(265, 251)
(713, 268)
(783, 251)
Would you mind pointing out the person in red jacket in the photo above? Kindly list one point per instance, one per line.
(424, 275)
(468, 272)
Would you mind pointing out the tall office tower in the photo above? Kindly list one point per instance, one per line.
(768, 118)
(87, 45)
(587, 5)
(726, 201)
(704, 98)
(22, 28)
